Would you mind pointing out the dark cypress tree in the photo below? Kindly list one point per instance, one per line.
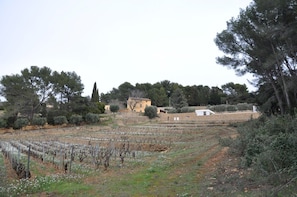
(95, 94)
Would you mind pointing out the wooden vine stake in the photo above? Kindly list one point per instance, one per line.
(28, 163)
(71, 158)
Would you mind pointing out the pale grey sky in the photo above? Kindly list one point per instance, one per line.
(114, 41)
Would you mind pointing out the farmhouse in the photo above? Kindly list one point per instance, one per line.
(137, 104)
(204, 112)
(107, 107)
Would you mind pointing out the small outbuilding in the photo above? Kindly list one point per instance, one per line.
(203, 112)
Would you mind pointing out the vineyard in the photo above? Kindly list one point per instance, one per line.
(148, 158)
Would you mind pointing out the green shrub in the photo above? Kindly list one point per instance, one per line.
(101, 107)
(172, 110)
(20, 123)
(10, 121)
(96, 108)
(268, 146)
(3, 123)
(278, 158)
(231, 108)
(40, 121)
(151, 112)
(59, 120)
(218, 108)
(223, 108)
(244, 106)
(76, 119)
(284, 146)
(114, 108)
(187, 109)
(92, 118)
(54, 113)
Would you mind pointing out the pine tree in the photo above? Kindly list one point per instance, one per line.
(95, 94)
(178, 100)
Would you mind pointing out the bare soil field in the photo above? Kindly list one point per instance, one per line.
(131, 156)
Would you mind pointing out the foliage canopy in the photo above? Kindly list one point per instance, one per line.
(28, 94)
(178, 100)
(151, 112)
(262, 40)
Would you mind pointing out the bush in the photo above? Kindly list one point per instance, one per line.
(59, 120)
(231, 108)
(92, 118)
(187, 109)
(20, 123)
(151, 112)
(244, 106)
(101, 107)
(269, 147)
(3, 123)
(40, 121)
(96, 108)
(76, 119)
(218, 108)
(114, 108)
(54, 113)
(10, 121)
(171, 110)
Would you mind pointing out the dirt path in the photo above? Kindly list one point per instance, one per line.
(211, 164)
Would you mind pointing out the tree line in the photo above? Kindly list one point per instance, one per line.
(56, 96)
(41, 92)
(162, 94)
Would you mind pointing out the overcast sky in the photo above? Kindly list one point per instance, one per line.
(115, 41)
